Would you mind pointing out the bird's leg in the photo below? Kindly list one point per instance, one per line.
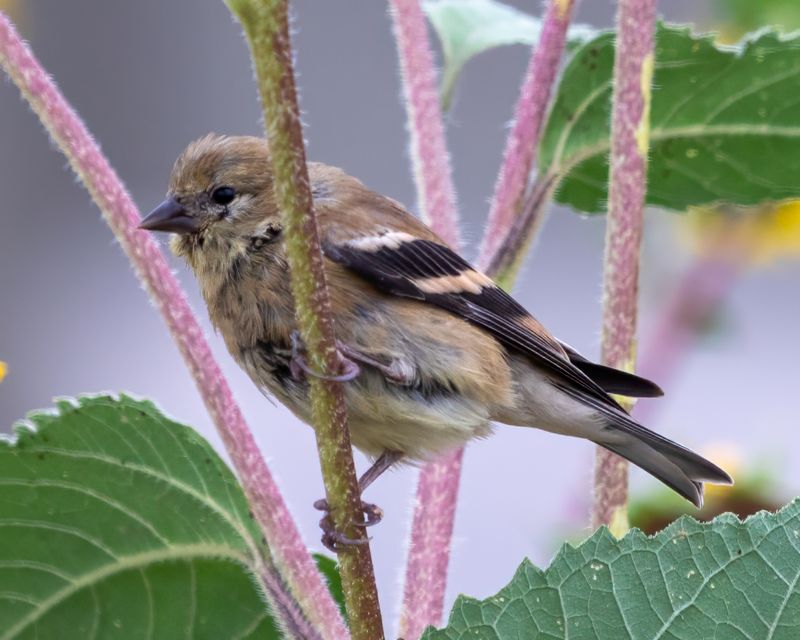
(298, 365)
(386, 460)
(373, 514)
(350, 358)
(391, 372)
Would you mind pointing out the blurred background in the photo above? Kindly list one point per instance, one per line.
(150, 76)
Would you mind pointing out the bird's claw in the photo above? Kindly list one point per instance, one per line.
(299, 367)
(373, 514)
(333, 539)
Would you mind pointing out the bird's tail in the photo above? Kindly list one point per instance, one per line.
(682, 470)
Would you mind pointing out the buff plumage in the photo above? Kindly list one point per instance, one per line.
(442, 351)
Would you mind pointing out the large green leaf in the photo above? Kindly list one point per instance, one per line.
(469, 27)
(117, 523)
(725, 579)
(725, 122)
(746, 15)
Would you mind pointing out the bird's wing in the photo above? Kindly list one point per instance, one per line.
(613, 380)
(424, 269)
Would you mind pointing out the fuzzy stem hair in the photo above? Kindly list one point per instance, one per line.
(523, 139)
(306, 586)
(430, 160)
(266, 26)
(437, 488)
(630, 133)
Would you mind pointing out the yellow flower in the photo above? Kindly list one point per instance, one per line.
(3, 370)
(729, 457)
(779, 233)
(758, 235)
(8, 6)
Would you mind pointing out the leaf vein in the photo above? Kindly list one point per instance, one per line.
(69, 486)
(121, 564)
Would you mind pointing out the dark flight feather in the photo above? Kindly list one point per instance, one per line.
(613, 380)
(399, 269)
(405, 269)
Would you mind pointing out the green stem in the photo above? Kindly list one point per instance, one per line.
(299, 576)
(266, 26)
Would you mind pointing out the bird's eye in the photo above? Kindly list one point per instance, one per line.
(223, 195)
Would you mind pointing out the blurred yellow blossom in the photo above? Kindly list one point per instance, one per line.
(3, 370)
(9, 6)
(728, 456)
(759, 235)
(757, 487)
(736, 18)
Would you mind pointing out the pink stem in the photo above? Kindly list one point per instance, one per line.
(429, 546)
(523, 140)
(699, 293)
(294, 562)
(633, 72)
(429, 157)
(437, 490)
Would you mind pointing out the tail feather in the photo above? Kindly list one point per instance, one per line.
(661, 467)
(619, 382)
(613, 380)
(679, 468)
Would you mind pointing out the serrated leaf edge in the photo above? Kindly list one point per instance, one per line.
(38, 419)
(603, 534)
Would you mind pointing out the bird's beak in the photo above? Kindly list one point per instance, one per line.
(170, 216)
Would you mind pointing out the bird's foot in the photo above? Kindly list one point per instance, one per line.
(393, 372)
(299, 367)
(333, 539)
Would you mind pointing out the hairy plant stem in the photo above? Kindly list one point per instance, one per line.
(504, 263)
(437, 490)
(266, 25)
(437, 487)
(523, 139)
(290, 556)
(630, 132)
(430, 160)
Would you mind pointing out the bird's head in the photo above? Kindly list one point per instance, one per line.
(220, 202)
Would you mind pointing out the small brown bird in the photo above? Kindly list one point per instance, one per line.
(442, 352)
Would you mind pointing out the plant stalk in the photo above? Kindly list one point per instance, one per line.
(296, 566)
(266, 26)
(630, 133)
(437, 491)
(430, 160)
(437, 487)
(523, 140)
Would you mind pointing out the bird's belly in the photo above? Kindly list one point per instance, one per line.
(420, 423)
(421, 426)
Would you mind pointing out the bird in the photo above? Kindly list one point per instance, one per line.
(440, 352)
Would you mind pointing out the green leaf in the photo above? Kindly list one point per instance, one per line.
(469, 27)
(746, 15)
(116, 522)
(725, 579)
(330, 569)
(725, 125)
